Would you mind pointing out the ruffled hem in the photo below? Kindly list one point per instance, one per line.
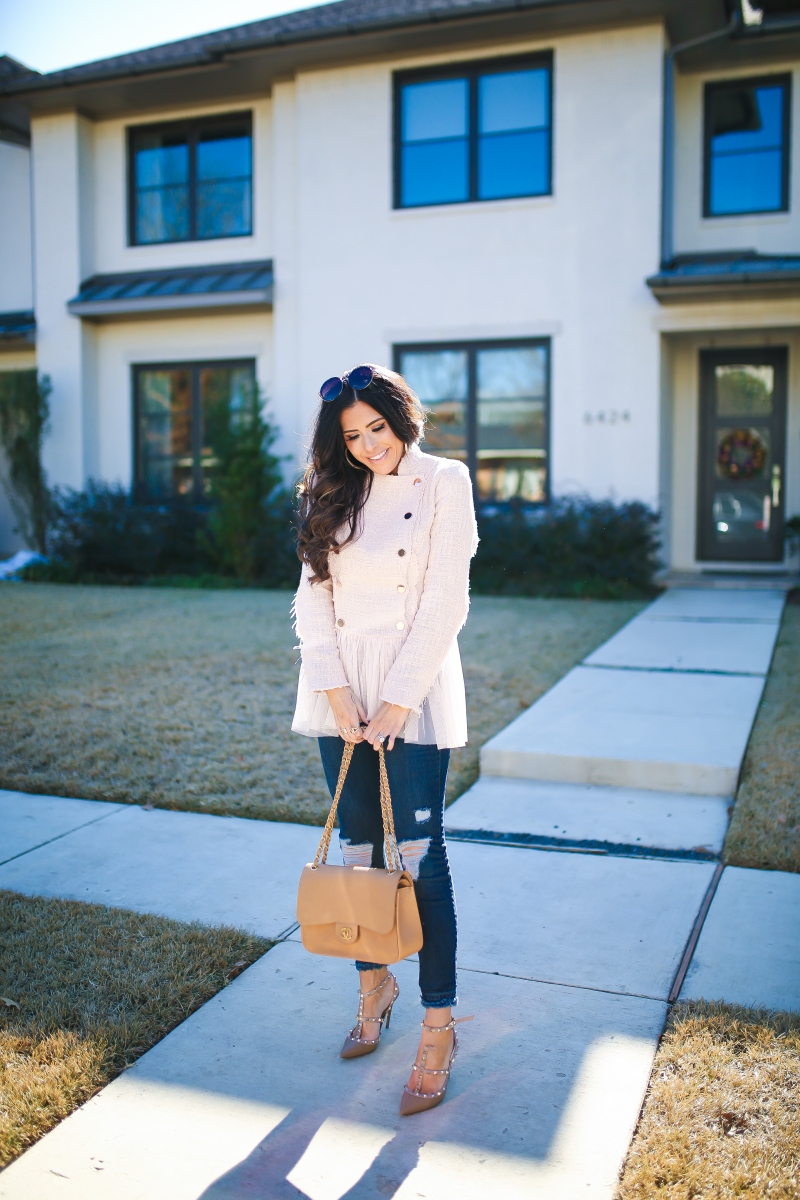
(367, 660)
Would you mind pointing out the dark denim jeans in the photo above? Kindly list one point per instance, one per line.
(417, 776)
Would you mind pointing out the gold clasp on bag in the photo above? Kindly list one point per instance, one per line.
(347, 933)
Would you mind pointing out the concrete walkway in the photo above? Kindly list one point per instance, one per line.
(576, 903)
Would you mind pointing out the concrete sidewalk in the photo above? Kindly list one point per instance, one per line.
(566, 958)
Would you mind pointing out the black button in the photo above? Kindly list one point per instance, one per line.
(407, 515)
(401, 552)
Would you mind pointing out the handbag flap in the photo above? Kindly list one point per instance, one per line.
(362, 896)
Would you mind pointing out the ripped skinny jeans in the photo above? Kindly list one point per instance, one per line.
(417, 776)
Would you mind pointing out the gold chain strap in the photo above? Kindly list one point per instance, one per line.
(390, 840)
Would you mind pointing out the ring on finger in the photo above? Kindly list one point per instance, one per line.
(342, 731)
(354, 729)
(381, 737)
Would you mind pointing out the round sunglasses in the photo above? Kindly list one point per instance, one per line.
(357, 379)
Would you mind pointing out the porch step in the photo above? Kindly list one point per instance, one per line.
(570, 814)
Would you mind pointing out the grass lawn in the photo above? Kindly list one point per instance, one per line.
(90, 989)
(765, 826)
(184, 698)
(722, 1114)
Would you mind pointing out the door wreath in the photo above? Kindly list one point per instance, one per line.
(741, 454)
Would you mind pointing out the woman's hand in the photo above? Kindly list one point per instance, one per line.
(388, 721)
(348, 713)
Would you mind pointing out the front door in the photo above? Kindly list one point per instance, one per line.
(741, 461)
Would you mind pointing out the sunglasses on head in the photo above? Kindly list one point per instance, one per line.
(357, 379)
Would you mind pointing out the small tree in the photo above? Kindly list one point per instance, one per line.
(24, 413)
(248, 521)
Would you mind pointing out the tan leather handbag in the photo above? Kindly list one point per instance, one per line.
(365, 913)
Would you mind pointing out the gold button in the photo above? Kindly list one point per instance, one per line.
(400, 625)
(417, 482)
(340, 622)
(401, 552)
(401, 587)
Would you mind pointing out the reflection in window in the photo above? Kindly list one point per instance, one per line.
(441, 380)
(746, 140)
(744, 391)
(480, 135)
(183, 414)
(487, 405)
(192, 181)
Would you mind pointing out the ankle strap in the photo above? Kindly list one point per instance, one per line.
(450, 1024)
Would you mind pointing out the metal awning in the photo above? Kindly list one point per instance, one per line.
(17, 328)
(183, 289)
(739, 275)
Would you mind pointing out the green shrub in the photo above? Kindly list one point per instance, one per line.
(573, 547)
(24, 413)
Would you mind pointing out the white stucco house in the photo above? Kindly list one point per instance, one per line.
(573, 224)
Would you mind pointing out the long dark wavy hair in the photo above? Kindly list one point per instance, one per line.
(335, 486)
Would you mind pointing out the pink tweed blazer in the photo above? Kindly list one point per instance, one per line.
(386, 622)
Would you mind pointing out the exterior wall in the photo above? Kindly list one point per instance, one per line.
(121, 346)
(354, 276)
(110, 249)
(16, 277)
(683, 402)
(62, 208)
(768, 233)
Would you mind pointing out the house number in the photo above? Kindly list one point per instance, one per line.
(609, 416)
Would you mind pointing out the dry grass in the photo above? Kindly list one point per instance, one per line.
(722, 1114)
(184, 698)
(96, 987)
(765, 826)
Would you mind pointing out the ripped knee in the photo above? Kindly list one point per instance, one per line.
(412, 854)
(356, 856)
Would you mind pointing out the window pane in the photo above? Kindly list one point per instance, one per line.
(162, 215)
(435, 110)
(161, 168)
(223, 209)
(746, 168)
(165, 433)
(435, 151)
(743, 183)
(226, 394)
(435, 173)
(514, 100)
(514, 164)
(512, 430)
(223, 157)
(744, 391)
(441, 380)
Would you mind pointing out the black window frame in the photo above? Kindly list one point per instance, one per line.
(472, 347)
(718, 85)
(471, 70)
(194, 367)
(193, 127)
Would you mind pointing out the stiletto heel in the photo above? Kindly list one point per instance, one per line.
(354, 1045)
(418, 1101)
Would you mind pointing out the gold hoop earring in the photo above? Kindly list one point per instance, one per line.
(358, 466)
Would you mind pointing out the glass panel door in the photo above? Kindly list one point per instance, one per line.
(742, 437)
(165, 454)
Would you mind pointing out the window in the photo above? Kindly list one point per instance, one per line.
(481, 132)
(191, 180)
(488, 406)
(747, 146)
(182, 412)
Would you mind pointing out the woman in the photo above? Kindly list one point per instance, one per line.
(386, 537)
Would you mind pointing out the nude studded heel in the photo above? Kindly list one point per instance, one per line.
(354, 1045)
(418, 1101)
